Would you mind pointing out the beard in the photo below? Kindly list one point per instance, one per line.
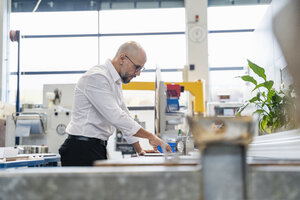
(127, 78)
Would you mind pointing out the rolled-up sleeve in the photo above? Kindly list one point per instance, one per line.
(101, 96)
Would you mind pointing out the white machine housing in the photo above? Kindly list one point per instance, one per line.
(52, 136)
(54, 123)
(224, 109)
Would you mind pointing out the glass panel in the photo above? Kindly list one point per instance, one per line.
(139, 97)
(47, 23)
(171, 76)
(145, 77)
(81, 53)
(229, 49)
(165, 51)
(235, 17)
(51, 54)
(142, 20)
(165, 76)
(13, 56)
(31, 86)
(146, 116)
(227, 83)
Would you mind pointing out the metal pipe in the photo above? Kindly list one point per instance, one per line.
(18, 75)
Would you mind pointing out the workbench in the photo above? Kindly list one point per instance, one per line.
(141, 182)
(23, 160)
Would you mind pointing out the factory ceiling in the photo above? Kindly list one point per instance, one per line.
(81, 5)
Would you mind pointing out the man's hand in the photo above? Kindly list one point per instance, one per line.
(155, 141)
(141, 151)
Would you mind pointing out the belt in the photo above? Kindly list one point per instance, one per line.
(83, 138)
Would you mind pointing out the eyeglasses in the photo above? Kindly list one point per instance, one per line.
(137, 67)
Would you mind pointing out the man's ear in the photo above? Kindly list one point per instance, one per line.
(122, 58)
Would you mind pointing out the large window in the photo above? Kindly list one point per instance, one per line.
(229, 45)
(64, 42)
(57, 42)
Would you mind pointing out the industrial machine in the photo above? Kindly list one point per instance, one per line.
(169, 116)
(43, 126)
(46, 125)
(223, 107)
(227, 109)
(171, 124)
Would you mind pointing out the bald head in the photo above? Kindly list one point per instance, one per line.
(132, 49)
(129, 61)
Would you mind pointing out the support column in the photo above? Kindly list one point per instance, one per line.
(224, 172)
(223, 143)
(4, 13)
(196, 40)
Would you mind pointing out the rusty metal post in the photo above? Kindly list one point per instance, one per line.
(223, 143)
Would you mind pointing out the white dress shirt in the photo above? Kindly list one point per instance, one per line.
(99, 106)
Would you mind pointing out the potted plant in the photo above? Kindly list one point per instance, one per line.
(276, 109)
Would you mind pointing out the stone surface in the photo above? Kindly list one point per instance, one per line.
(130, 183)
(274, 183)
(139, 183)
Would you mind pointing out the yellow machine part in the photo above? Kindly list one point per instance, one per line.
(195, 88)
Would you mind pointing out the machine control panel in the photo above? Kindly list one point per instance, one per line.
(60, 129)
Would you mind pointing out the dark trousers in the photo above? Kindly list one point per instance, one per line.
(78, 152)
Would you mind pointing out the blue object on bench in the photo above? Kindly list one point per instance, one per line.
(173, 145)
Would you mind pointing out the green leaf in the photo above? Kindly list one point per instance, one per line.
(259, 111)
(270, 94)
(258, 95)
(268, 84)
(258, 86)
(253, 99)
(264, 123)
(249, 79)
(241, 109)
(276, 98)
(257, 70)
(268, 130)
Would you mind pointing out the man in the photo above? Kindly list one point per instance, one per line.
(99, 109)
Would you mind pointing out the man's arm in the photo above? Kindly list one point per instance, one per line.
(138, 148)
(153, 140)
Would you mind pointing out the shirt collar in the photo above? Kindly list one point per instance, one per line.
(113, 72)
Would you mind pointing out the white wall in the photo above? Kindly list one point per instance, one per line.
(267, 52)
(4, 4)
